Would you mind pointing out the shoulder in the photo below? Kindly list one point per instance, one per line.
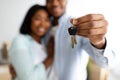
(20, 41)
(21, 38)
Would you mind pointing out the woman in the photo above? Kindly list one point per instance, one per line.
(27, 53)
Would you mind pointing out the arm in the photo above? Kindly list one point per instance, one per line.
(107, 58)
(94, 27)
(50, 50)
(103, 57)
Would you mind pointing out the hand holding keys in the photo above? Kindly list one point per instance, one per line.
(93, 27)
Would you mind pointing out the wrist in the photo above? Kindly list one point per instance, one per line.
(100, 44)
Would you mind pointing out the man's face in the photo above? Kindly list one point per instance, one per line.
(56, 7)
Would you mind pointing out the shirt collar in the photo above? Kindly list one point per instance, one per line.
(62, 18)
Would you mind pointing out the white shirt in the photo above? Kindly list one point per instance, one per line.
(40, 52)
(70, 63)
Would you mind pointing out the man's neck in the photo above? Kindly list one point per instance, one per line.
(55, 21)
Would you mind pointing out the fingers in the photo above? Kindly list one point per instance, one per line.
(96, 37)
(74, 21)
(92, 32)
(86, 18)
(92, 24)
(90, 17)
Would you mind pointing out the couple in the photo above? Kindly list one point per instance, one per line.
(41, 50)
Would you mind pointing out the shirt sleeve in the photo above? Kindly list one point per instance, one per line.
(21, 60)
(105, 58)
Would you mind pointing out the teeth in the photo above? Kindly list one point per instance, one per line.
(56, 9)
(41, 29)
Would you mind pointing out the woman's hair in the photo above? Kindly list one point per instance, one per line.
(26, 25)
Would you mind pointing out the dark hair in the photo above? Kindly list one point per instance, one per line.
(26, 25)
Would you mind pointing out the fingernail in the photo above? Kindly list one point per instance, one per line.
(74, 21)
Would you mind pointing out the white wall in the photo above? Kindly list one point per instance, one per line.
(12, 13)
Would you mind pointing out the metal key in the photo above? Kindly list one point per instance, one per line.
(72, 31)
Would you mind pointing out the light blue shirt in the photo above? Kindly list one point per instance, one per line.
(70, 63)
(22, 56)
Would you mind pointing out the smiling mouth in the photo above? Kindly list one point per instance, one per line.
(56, 9)
(41, 29)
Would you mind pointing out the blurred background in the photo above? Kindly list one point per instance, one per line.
(12, 13)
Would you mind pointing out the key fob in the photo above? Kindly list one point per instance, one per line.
(72, 30)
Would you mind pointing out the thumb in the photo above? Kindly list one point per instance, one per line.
(74, 21)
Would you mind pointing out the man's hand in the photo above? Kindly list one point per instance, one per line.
(50, 49)
(92, 26)
(12, 71)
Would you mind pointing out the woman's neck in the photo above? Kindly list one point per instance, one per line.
(36, 38)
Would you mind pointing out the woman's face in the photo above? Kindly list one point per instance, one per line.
(40, 23)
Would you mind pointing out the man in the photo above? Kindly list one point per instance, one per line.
(70, 63)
